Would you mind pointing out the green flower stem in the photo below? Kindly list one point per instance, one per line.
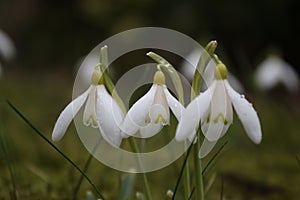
(186, 178)
(6, 154)
(135, 148)
(107, 79)
(202, 63)
(198, 168)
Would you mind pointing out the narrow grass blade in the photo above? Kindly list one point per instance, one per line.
(3, 148)
(181, 171)
(214, 157)
(85, 168)
(298, 159)
(222, 188)
(54, 147)
(209, 183)
(191, 195)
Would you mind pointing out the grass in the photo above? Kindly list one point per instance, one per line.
(266, 171)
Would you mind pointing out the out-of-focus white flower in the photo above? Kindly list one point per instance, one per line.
(188, 70)
(214, 109)
(273, 71)
(101, 111)
(7, 48)
(151, 112)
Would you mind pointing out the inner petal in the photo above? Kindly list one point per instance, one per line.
(89, 114)
(158, 114)
(159, 111)
(218, 117)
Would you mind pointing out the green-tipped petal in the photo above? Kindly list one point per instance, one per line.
(218, 117)
(159, 114)
(89, 114)
(159, 111)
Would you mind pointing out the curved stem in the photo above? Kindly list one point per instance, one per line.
(56, 148)
(198, 170)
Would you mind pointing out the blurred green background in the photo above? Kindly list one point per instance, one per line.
(51, 35)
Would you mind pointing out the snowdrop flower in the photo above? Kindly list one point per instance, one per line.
(7, 48)
(101, 111)
(273, 71)
(214, 109)
(151, 112)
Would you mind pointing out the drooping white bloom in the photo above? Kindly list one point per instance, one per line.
(101, 111)
(213, 109)
(7, 48)
(151, 112)
(273, 71)
(188, 70)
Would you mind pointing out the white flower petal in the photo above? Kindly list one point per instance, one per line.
(109, 116)
(205, 100)
(218, 117)
(136, 116)
(273, 71)
(176, 107)
(206, 147)
(160, 99)
(268, 73)
(290, 77)
(89, 114)
(246, 114)
(7, 47)
(67, 115)
(190, 118)
(150, 130)
(188, 123)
